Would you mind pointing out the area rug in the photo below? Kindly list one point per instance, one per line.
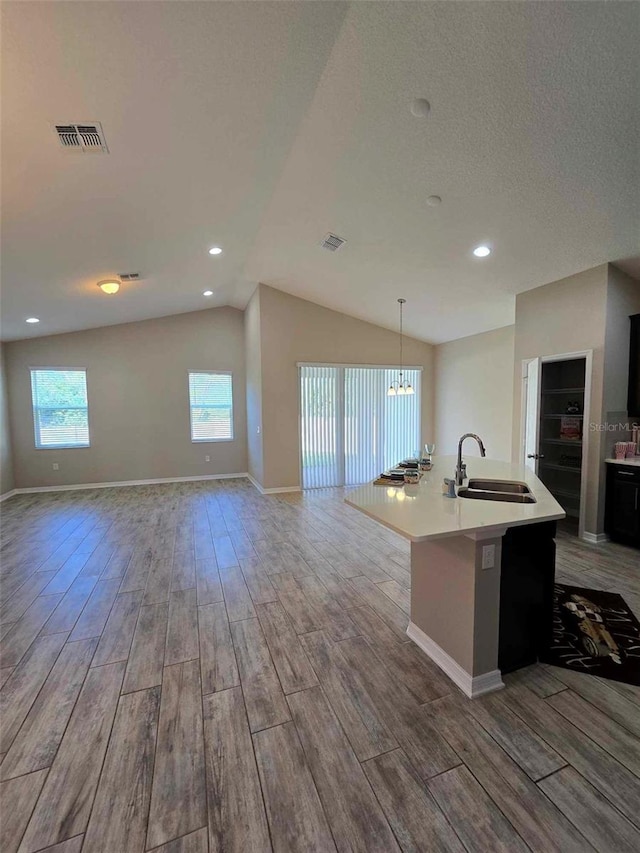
(594, 632)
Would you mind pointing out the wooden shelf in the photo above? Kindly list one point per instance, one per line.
(565, 442)
(563, 416)
(555, 467)
(563, 493)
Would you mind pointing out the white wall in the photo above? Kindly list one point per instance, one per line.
(474, 393)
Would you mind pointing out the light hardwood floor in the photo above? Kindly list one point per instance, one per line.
(194, 667)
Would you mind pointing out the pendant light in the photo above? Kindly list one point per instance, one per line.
(400, 386)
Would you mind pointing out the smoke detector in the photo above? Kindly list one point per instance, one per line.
(332, 242)
(87, 137)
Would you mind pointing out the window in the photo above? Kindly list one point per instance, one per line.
(350, 430)
(211, 404)
(60, 408)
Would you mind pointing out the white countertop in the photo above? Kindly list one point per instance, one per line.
(634, 462)
(421, 511)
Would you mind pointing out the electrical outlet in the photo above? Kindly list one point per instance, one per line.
(56, 467)
(207, 459)
(488, 556)
(258, 430)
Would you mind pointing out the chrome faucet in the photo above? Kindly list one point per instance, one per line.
(461, 468)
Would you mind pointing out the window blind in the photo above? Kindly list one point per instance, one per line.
(60, 407)
(211, 405)
(319, 420)
(350, 430)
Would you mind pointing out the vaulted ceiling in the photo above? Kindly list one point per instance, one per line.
(260, 127)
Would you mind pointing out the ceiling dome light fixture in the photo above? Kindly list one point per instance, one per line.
(208, 293)
(482, 251)
(215, 250)
(32, 320)
(109, 285)
(420, 107)
(400, 386)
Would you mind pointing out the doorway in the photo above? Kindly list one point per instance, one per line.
(556, 403)
(350, 429)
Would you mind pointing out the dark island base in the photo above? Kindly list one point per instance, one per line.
(526, 594)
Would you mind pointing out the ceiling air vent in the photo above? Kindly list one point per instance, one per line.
(129, 276)
(332, 242)
(82, 137)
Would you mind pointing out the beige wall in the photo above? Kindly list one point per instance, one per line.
(294, 330)
(474, 393)
(6, 460)
(562, 317)
(253, 358)
(138, 399)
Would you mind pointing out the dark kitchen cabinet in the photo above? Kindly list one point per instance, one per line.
(622, 512)
(633, 402)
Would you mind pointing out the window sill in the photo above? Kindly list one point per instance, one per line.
(64, 447)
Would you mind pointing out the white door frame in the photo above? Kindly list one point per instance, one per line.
(587, 355)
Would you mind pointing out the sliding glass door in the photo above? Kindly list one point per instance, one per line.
(350, 430)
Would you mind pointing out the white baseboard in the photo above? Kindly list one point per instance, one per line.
(79, 486)
(277, 491)
(595, 538)
(8, 495)
(471, 686)
(255, 484)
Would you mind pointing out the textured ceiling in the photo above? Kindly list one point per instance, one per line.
(262, 126)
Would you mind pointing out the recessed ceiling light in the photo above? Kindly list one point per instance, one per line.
(481, 251)
(420, 108)
(109, 285)
(434, 200)
(32, 320)
(208, 293)
(215, 250)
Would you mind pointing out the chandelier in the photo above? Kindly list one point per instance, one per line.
(400, 386)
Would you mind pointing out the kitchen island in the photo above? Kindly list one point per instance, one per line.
(471, 613)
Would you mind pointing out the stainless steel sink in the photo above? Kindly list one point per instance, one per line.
(484, 495)
(502, 486)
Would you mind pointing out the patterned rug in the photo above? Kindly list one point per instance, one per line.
(594, 632)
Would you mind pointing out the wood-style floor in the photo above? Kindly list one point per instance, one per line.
(195, 667)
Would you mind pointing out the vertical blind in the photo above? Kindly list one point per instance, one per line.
(350, 430)
(60, 408)
(211, 405)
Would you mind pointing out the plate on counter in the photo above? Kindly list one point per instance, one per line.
(394, 474)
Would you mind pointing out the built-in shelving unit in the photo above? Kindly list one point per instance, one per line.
(561, 428)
